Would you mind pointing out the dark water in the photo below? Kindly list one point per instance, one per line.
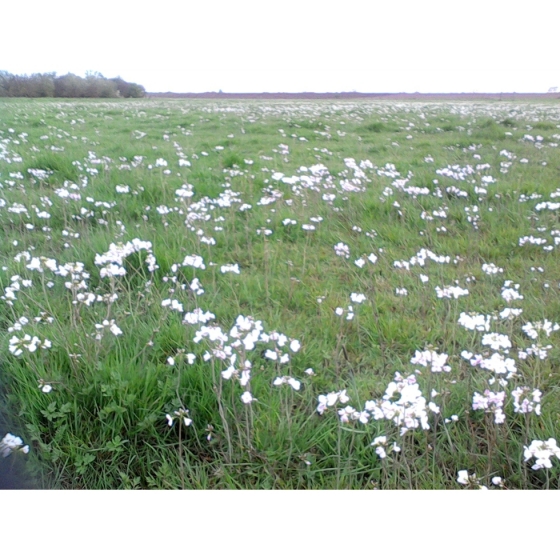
(14, 475)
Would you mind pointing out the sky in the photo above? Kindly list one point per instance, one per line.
(371, 46)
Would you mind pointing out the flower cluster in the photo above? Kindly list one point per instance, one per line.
(286, 379)
(475, 321)
(542, 451)
(243, 337)
(110, 325)
(497, 341)
(11, 443)
(181, 414)
(342, 250)
(470, 480)
(435, 360)
(117, 253)
(381, 447)
(496, 363)
(17, 345)
(449, 292)
(532, 330)
(492, 402)
(330, 399)
(349, 312)
(510, 293)
(526, 400)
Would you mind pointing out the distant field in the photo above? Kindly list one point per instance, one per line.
(280, 294)
(355, 95)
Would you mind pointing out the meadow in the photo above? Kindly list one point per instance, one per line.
(280, 295)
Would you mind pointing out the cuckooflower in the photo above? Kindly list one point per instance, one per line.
(181, 414)
(12, 443)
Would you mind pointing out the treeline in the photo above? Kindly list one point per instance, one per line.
(69, 85)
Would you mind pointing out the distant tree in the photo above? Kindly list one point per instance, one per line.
(99, 86)
(69, 85)
(4, 83)
(136, 90)
(41, 85)
(36, 85)
(15, 86)
(128, 89)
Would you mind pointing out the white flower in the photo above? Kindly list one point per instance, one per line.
(463, 477)
(173, 304)
(360, 262)
(195, 261)
(433, 407)
(294, 384)
(526, 401)
(230, 268)
(14, 346)
(532, 329)
(496, 341)
(45, 387)
(331, 399)
(181, 414)
(342, 250)
(542, 451)
(247, 398)
(509, 312)
(451, 292)
(492, 402)
(436, 360)
(112, 270)
(12, 443)
(491, 268)
(271, 355)
(379, 443)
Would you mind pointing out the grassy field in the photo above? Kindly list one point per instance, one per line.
(251, 294)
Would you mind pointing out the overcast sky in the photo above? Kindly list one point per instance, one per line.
(289, 46)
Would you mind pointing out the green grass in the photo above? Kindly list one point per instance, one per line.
(104, 423)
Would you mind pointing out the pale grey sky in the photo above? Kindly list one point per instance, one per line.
(304, 45)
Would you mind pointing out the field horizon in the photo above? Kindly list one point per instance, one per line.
(352, 95)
